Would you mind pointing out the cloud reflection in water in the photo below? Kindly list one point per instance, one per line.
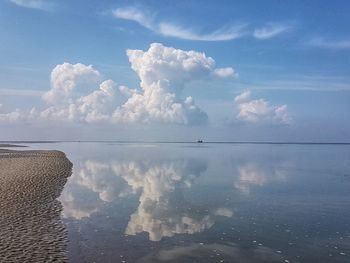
(162, 212)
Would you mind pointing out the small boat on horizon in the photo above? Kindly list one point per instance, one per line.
(199, 141)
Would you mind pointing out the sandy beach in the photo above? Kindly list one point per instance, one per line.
(31, 227)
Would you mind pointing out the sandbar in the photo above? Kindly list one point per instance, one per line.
(31, 229)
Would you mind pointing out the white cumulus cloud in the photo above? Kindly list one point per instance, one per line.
(97, 106)
(260, 110)
(224, 72)
(9, 116)
(164, 73)
(65, 78)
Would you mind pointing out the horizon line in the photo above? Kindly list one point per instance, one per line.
(205, 142)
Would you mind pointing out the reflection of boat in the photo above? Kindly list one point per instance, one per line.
(199, 141)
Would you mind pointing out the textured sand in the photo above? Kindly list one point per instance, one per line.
(31, 229)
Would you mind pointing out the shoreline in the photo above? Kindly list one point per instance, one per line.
(30, 214)
(9, 145)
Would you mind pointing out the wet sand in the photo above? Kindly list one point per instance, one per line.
(6, 145)
(31, 229)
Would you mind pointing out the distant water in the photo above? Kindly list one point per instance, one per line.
(178, 202)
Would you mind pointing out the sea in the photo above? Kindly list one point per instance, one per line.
(206, 202)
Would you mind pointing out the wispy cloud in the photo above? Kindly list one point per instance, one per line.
(35, 4)
(329, 44)
(147, 20)
(271, 30)
(222, 34)
(143, 18)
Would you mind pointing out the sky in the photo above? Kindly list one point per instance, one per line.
(175, 70)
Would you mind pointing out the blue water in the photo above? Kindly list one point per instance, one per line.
(183, 202)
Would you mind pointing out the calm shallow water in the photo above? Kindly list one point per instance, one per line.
(207, 202)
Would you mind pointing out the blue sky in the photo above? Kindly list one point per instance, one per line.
(290, 60)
